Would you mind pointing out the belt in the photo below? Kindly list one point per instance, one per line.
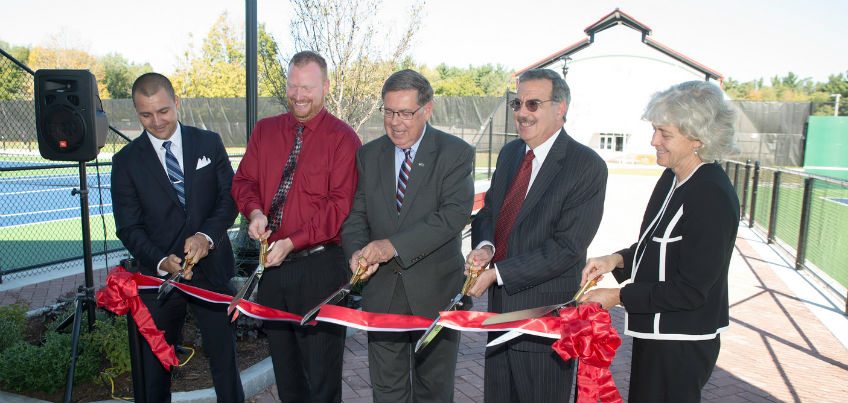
(311, 251)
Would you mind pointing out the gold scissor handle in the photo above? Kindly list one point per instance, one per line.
(359, 271)
(472, 277)
(263, 250)
(589, 284)
(187, 265)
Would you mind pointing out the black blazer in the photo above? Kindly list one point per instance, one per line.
(546, 249)
(148, 216)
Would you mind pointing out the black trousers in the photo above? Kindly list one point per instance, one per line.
(400, 375)
(526, 376)
(671, 370)
(217, 333)
(307, 359)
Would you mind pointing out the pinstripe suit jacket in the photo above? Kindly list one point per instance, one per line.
(546, 249)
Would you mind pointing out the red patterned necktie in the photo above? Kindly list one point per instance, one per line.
(403, 177)
(511, 205)
(275, 213)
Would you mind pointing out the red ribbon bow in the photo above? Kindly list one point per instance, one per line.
(121, 296)
(587, 334)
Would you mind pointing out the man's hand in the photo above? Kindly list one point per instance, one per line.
(607, 297)
(598, 266)
(171, 264)
(379, 251)
(278, 253)
(484, 281)
(196, 247)
(258, 226)
(478, 258)
(370, 269)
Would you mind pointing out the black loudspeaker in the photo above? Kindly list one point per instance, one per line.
(69, 117)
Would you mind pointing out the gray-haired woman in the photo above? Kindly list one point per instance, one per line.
(677, 304)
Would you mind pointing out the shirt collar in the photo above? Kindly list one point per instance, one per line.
(312, 124)
(541, 152)
(176, 139)
(414, 148)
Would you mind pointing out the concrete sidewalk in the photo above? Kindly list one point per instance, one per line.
(788, 339)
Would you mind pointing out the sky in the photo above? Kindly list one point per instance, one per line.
(742, 39)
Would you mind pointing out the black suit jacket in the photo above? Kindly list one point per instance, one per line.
(546, 249)
(149, 218)
(426, 235)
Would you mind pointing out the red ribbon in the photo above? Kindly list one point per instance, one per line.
(121, 296)
(588, 335)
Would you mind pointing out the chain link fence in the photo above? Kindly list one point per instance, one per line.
(805, 214)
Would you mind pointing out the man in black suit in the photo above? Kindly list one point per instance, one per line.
(414, 196)
(542, 210)
(171, 200)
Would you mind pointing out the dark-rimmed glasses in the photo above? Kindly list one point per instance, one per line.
(404, 115)
(531, 104)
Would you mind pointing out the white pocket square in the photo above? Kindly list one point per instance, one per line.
(202, 162)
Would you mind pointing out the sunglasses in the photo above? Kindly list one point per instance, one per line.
(530, 104)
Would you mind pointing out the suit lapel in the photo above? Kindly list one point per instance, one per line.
(150, 161)
(189, 160)
(422, 166)
(549, 170)
(388, 177)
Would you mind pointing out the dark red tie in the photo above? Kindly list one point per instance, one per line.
(512, 204)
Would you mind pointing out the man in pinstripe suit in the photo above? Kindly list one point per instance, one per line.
(542, 210)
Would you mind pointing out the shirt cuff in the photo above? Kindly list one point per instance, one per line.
(498, 274)
(211, 243)
(160, 271)
(485, 243)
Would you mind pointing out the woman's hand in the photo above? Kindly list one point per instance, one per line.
(598, 266)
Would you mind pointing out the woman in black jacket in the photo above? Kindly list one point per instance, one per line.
(676, 303)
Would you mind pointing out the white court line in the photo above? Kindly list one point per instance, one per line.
(50, 221)
(50, 211)
(36, 191)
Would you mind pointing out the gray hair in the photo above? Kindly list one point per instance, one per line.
(560, 91)
(408, 79)
(699, 110)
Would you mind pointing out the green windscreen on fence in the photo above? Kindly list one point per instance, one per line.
(827, 237)
(826, 152)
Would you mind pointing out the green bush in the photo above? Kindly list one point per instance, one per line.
(12, 324)
(29, 367)
(110, 338)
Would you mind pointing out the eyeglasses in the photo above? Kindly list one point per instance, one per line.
(530, 104)
(404, 115)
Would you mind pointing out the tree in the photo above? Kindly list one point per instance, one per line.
(119, 74)
(485, 80)
(13, 79)
(342, 32)
(218, 71)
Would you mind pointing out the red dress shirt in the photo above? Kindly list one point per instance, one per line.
(324, 181)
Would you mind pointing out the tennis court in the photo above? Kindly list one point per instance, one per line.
(42, 198)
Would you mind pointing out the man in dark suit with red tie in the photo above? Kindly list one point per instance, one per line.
(171, 200)
(542, 210)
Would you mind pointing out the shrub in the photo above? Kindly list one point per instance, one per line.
(29, 367)
(110, 339)
(12, 324)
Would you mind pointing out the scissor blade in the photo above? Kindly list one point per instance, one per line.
(522, 314)
(504, 338)
(166, 285)
(332, 299)
(428, 335)
(244, 290)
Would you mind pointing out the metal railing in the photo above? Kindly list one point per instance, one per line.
(803, 213)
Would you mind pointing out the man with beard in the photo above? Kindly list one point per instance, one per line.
(295, 184)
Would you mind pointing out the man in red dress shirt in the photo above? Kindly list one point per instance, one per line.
(295, 184)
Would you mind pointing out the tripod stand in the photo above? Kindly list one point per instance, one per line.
(84, 299)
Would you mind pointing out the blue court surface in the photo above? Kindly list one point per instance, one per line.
(39, 198)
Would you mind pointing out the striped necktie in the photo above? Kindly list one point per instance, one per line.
(511, 205)
(403, 177)
(275, 213)
(175, 174)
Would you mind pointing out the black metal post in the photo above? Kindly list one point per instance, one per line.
(805, 224)
(250, 49)
(736, 177)
(744, 206)
(754, 187)
(491, 125)
(775, 192)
